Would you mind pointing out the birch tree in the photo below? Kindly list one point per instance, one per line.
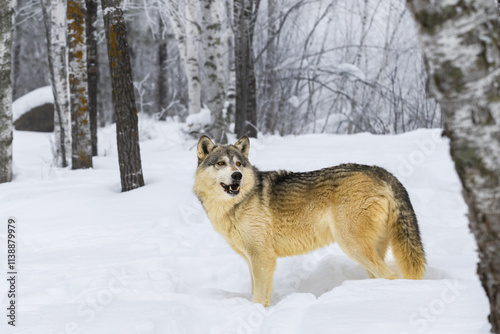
(81, 148)
(213, 67)
(230, 69)
(6, 28)
(55, 27)
(184, 22)
(62, 118)
(197, 28)
(461, 43)
(127, 133)
(192, 57)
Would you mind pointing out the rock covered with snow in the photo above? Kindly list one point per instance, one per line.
(33, 99)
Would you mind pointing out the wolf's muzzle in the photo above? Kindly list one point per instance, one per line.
(233, 189)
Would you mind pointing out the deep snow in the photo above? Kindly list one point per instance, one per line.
(94, 260)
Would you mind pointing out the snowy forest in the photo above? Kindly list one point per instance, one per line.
(319, 66)
(412, 86)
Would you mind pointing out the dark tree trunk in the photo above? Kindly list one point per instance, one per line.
(461, 46)
(127, 132)
(16, 62)
(245, 14)
(81, 148)
(162, 71)
(92, 69)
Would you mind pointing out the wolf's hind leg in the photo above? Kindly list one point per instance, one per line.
(365, 240)
(381, 250)
(369, 273)
(376, 268)
(370, 258)
(382, 246)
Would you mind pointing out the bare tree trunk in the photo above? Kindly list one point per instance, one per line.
(228, 40)
(16, 62)
(62, 118)
(245, 14)
(192, 57)
(55, 29)
(162, 71)
(271, 79)
(81, 152)
(241, 93)
(214, 83)
(6, 30)
(460, 43)
(92, 69)
(173, 15)
(127, 133)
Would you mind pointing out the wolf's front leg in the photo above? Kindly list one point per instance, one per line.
(249, 262)
(262, 266)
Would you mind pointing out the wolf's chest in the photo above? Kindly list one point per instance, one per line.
(226, 227)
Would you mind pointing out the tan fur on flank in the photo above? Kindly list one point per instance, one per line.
(267, 215)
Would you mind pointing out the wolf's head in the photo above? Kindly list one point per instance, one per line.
(224, 171)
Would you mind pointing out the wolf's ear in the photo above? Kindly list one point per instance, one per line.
(243, 144)
(205, 146)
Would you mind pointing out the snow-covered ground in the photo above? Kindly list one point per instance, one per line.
(94, 260)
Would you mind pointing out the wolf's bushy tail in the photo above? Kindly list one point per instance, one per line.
(405, 235)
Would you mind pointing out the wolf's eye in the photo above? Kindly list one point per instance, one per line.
(221, 163)
(238, 163)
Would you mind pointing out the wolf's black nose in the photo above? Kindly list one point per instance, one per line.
(236, 176)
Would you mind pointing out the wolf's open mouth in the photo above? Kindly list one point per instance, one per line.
(232, 189)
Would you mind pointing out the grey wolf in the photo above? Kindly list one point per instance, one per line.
(266, 215)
